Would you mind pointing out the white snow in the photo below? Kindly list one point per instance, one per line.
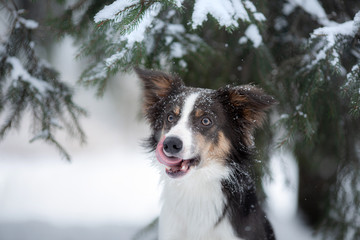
(19, 72)
(350, 76)
(115, 57)
(110, 12)
(222, 10)
(252, 33)
(312, 7)
(175, 29)
(288, 8)
(28, 23)
(177, 50)
(283, 165)
(171, 13)
(176, 37)
(243, 40)
(226, 12)
(240, 11)
(249, 5)
(284, 116)
(99, 71)
(282, 197)
(178, 3)
(346, 28)
(330, 33)
(138, 34)
(182, 63)
(259, 17)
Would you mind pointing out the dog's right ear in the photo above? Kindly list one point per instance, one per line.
(157, 85)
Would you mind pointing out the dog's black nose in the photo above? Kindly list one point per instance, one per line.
(172, 145)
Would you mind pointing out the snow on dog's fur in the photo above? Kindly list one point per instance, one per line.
(203, 143)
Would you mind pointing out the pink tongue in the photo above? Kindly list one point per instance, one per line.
(162, 158)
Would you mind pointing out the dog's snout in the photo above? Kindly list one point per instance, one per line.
(172, 145)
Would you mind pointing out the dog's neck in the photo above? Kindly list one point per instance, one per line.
(196, 205)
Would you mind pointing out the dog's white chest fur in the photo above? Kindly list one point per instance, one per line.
(193, 207)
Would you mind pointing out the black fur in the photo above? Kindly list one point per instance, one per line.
(243, 208)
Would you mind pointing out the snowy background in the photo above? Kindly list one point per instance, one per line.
(109, 190)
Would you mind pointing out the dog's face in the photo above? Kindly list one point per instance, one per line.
(196, 129)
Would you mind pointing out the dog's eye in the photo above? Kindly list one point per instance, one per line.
(170, 118)
(206, 121)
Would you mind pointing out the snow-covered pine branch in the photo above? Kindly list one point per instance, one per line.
(30, 84)
(327, 45)
(133, 31)
(312, 7)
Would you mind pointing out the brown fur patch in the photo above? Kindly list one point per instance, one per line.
(237, 99)
(211, 151)
(251, 103)
(177, 110)
(199, 113)
(163, 86)
(157, 85)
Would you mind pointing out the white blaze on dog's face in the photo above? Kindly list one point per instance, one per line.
(183, 130)
(196, 128)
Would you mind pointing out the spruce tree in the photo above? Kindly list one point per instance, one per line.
(305, 53)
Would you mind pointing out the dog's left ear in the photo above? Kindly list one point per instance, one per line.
(157, 85)
(248, 103)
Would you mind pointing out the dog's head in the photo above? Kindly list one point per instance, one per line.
(195, 129)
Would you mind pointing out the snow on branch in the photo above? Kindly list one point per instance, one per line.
(112, 11)
(138, 34)
(28, 23)
(252, 33)
(19, 73)
(312, 7)
(327, 45)
(136, 16)
(351, 89)
(226, 12)
(132, 30)
(329, 37)
(221, 10)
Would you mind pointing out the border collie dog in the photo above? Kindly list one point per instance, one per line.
(203, 144)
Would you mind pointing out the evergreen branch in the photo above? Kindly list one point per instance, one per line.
(36, 85)
(13, 119)
(61, 150)
(142, 9)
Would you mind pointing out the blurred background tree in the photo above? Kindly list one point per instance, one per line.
(304, 52)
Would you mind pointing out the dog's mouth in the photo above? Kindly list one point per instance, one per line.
(179, 170)
(174, 167)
